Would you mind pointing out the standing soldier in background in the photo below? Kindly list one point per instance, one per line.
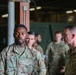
(37, 44)
(18, 59)
(56, 55)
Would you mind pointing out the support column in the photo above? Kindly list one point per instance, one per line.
(11, 22)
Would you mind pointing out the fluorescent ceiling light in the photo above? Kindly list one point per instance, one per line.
(68, 12)
(5, 15)
(74, 10)
(32, 9)
(38, 8)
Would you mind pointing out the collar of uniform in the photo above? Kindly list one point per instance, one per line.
(16, 49)
(30, 49)
(58, 43)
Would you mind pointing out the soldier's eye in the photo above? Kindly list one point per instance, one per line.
(22, 33)
(16, 33)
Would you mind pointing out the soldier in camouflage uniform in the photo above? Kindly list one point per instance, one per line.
(18, 59)
(56, 55)
(37, 43)
(39, 48)
(70, 38)
(39, 40)
(30, 42)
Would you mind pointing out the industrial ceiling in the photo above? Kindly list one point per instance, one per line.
(47, 5)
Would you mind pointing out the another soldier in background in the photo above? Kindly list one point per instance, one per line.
(39, 38)
(56, 55)
(18, 59)
(30, 43)
(36, 44)
(70, 38)
(31, 39)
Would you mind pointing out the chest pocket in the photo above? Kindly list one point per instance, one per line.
(11, 63)
(26, 62)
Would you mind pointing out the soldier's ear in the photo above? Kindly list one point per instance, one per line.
(73, 35)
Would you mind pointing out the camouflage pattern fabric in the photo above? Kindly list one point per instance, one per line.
(39, 48)
(70, 68)
(55, 57)
(13, 62)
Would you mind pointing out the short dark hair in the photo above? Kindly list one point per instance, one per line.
(37, 34)
(32, 33)
(71, 27)
(20, 26)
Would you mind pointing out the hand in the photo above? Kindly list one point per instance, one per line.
(63, 69)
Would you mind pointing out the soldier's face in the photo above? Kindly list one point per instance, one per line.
(31, 40)
(67, 36)
(20, 35)
(39, 38)
(58, 37)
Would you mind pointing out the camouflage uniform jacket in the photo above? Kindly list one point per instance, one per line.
(39, 48)
(55, 51)
(70, 68)
(12, 62)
